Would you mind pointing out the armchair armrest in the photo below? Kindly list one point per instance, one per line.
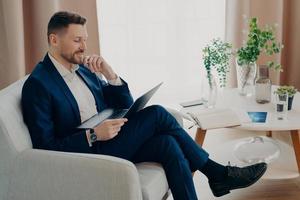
(41, 174)
(177, 115)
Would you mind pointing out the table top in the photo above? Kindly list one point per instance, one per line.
(229, 98)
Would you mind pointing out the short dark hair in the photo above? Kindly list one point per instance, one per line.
(61, 20)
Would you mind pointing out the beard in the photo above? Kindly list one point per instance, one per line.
(74, 58)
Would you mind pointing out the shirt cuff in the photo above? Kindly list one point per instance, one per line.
(115, 82)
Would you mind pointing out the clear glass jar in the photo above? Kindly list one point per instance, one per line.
(263, 85)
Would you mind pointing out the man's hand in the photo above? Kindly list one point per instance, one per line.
(109, 128)
(97, 64)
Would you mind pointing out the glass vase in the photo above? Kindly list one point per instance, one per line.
(246, 74)
(212, 93)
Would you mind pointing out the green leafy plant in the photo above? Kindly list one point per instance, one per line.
(285, 89)
(259, 40)
(216, 56)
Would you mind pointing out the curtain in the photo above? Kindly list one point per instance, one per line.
(290, 54)
(23, 27)
(12, 55)
(280, 12)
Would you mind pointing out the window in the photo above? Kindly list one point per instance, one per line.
(160, 40)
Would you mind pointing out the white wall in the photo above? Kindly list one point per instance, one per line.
(160, 40)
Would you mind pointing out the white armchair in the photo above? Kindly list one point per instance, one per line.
(32, 174)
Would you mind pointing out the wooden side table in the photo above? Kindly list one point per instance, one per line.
(231, 99)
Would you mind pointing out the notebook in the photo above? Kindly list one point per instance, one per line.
(215, 118)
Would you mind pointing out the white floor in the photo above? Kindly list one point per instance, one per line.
(220, 144)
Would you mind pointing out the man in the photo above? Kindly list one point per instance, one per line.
(64, 90)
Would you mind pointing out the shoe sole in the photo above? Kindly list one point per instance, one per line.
(221, 193)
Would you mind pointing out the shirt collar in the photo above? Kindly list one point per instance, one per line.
(63, 71)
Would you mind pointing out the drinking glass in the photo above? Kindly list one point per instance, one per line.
(281, 103)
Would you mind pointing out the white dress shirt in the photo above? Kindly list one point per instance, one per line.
(82, 94)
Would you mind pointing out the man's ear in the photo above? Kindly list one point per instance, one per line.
(53, 39)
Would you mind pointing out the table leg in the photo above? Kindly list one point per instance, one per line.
(200, 135)
(269, 134)
(199, 138)
(296, 144)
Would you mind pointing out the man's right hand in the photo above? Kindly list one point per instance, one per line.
(109, 128)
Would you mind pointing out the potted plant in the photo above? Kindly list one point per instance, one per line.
(216, 57)
(259, 40)
(290, 91)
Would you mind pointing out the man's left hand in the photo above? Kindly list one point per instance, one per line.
(97, 64)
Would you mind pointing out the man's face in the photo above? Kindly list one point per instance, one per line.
(71, 43)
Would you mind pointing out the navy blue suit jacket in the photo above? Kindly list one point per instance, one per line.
(51, 111)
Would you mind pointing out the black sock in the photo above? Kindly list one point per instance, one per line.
(214, 171)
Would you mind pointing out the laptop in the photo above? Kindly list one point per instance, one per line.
(111, 113)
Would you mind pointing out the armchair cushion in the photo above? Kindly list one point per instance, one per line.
(151, 176)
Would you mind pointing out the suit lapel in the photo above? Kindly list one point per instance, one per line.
(63, 86)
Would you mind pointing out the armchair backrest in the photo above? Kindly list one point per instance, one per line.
(14, 135)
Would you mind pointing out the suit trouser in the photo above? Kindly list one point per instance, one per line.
(154, 135)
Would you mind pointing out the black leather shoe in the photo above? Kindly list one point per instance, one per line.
(238, 178)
